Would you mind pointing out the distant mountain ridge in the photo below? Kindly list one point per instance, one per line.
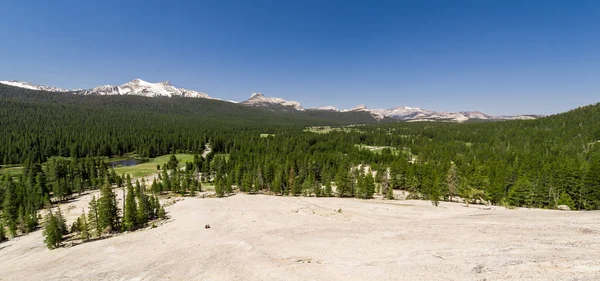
(136, 87)
(413, 114)
(258, 99)
(30, 86)
(165, 89)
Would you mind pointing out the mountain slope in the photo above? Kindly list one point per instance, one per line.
(259, 100)
(412, 114)
(137, 87)
(140, 87)
(26, 85)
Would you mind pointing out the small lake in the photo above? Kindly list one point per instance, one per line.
(125, 162)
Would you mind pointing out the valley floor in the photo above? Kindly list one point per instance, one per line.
(256, 237)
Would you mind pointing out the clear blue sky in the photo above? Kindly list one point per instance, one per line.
(500, 57)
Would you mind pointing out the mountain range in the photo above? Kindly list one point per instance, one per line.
(165, 89)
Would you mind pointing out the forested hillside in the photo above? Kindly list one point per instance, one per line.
(537, 163)
(42, 124)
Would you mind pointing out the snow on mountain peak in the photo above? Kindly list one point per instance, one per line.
(360, 107)
(139, 87)
(256, 95)
(258, 99)
(26, 85)
(327, 108)
(166, 89)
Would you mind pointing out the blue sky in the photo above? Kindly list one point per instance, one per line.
(500, 57)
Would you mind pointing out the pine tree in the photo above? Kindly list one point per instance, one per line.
(276, 184)
(290, 180)
(173, 162)
(390, 193)
(342, 182)
(55, 229)
(108, 212)
(144, 210)
(452, 181)
(161, 213)
(517, 195)
(565, 199)
(94, 217)
(247, 182)
(52, 232)
(130, 212)
(592, 186)
(2, 232)
(369, 186)
(61, 222)
(21, 219)
(328, 189)
(10, 208)
(84, 227)
(220, 185)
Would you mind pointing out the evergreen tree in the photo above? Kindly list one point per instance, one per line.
(94, 217)
(342, 182)
(390, 193)
(247, 182)
(84, 227)
(52, 232)
(592, 186)
(2, 232)
(452, 181)
(517, 195)
(220, 183)
(565, 199)
(108, 212)
(173, 162)
(10, 207)
(328, 189)
(369, 186)
(55, 229)
(161, 213)
(130, 211)
(144, 210)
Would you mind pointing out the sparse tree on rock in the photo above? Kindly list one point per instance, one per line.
(55, 229)
(452, 181)
(108, 211)
(94, 217)
(130, 212)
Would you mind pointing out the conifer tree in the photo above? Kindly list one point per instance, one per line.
(10, 208)
(144, 210)
(173, 162)
(220, 185)
(565, 199)
(247, 182)
(592, 186)
(369, 186)
(84, 227)
(130, 213)
(390, 193)
(108, 212)
(55, 229)
(517, 194)
(161, 213)
(276, 185)
(451, 181)
(52, 232)
(342, 182)
(94, 217)
(328, 189)
(2, 232)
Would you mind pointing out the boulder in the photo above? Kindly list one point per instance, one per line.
(563, 207)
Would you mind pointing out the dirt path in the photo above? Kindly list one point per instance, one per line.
(256, 237)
